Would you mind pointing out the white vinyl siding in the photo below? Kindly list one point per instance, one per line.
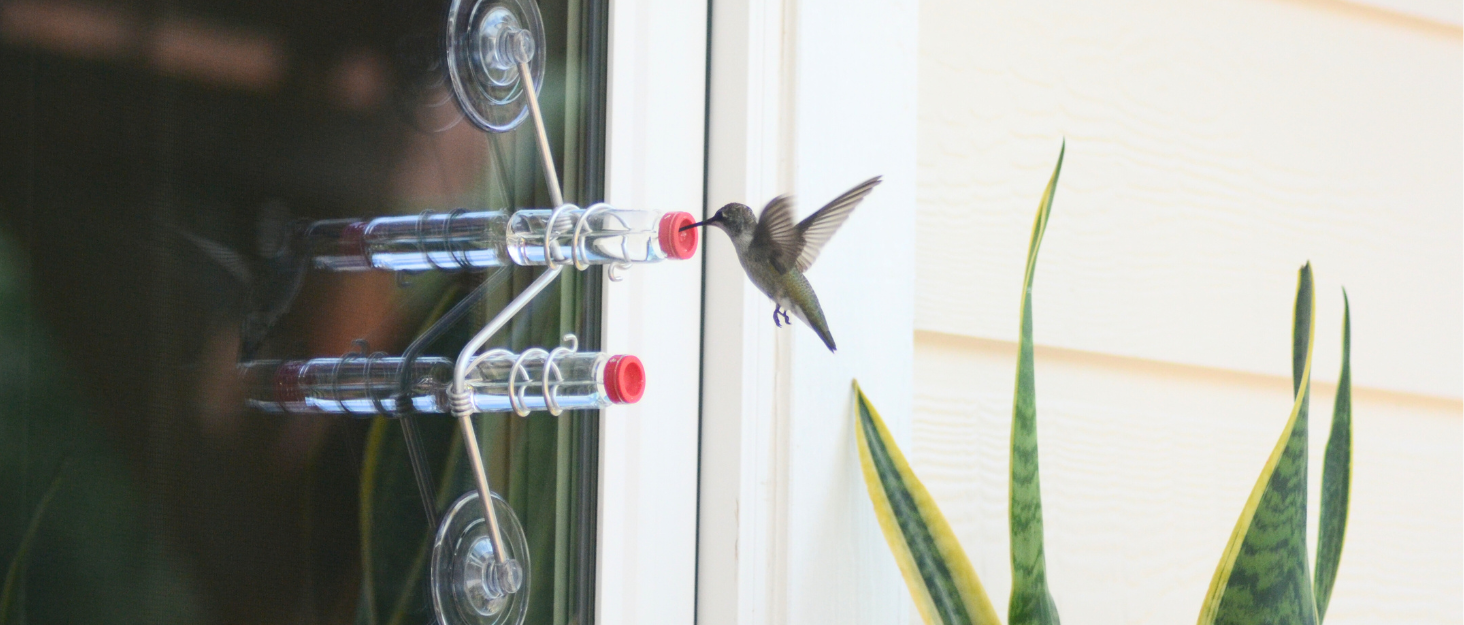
(1212, 148)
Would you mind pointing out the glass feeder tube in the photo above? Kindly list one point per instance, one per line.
(462, 240)
(503, 382)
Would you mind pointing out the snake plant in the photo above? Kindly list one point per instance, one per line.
(1263, 574)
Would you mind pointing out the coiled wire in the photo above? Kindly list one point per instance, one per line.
(519, 380)
(615, 271)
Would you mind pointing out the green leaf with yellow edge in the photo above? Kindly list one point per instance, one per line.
(1262, 576)
(1030, 601)
(1336, 475)
(941, 581)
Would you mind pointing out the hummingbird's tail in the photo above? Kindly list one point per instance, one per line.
(801, 299)
(814, 319)
(823, 333)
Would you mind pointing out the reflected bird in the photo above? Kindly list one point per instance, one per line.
(272, 282)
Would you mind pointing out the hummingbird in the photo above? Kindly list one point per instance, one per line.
(272, 282)
(775, 252)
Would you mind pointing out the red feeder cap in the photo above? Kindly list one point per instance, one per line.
(675, 243)
(625, 379)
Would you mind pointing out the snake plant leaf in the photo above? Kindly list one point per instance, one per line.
(1262, 576)
(1031, 603)
(1336, 475)
(940, 578)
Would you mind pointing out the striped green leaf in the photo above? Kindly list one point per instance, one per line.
(1336, 474)
(1262, 576)
(1031, 603)
(940, 578)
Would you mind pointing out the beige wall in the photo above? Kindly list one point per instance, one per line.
(1213, 147)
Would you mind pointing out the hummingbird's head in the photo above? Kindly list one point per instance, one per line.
(735, 219)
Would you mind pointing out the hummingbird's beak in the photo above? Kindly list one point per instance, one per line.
(706, 222)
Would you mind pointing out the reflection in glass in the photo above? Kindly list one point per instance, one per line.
(160, 163)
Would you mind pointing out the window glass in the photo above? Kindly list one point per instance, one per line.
(159, 161)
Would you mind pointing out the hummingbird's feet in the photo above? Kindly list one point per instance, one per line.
(778, 310)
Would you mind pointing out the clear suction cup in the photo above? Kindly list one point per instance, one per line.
(471, 585)
(486, 42)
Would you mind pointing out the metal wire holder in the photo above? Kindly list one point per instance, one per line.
(459, 395)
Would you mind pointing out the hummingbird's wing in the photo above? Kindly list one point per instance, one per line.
(819, 227)
(221, 254)
(777, 234)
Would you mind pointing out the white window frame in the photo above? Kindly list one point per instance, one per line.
(807, 97)
(755, 511)
(646, 564)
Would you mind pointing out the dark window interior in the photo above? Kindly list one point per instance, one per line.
(140, 143)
